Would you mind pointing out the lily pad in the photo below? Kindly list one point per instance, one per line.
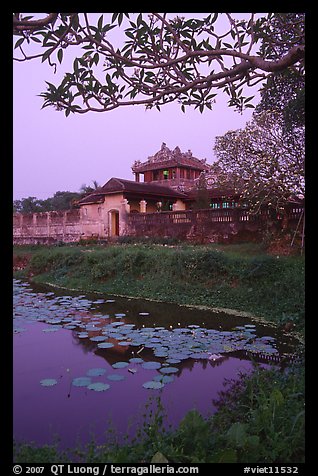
(81, 381)
(164, 378)
(105, 345)
(98, 386)
(48, 382)
(82, 335)
(169, 370)
(151, 365)
(97, 338)
(120, 365)
(51, 329)
(153, 384)
(136, 360)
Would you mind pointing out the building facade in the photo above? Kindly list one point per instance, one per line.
(169, 201)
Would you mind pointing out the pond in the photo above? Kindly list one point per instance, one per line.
(85, 365)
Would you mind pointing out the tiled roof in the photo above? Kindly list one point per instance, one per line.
(117, 185)
(169, 158)
(215, 192)
(92, 198)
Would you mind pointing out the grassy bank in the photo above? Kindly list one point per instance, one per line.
(260, 419)
(241, 277)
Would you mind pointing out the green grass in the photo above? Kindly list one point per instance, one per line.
(241, 277)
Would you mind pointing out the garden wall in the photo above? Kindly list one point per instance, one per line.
(210, 225)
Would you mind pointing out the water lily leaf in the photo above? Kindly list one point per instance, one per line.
(164, 378)
(98, 386)
(136, 360)
(153, 384)
(48, 382)
(173, 361)
(81, 381)
(151, 365)
(120, 315)
(96, 372)
(98, 338)
(82, 335)
(169, 370)
(105, 345)
(51, 329)
(120, 365)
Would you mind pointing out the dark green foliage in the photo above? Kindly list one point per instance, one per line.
(54, 259)
(59, 201)
(246, 280)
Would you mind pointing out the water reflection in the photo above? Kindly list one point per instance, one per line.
(195, 351)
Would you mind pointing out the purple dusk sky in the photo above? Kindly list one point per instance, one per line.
(54, 153)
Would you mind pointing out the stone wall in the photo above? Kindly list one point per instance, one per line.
(211, 225)
(48, 227)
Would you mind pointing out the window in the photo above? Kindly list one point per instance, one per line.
(166, 174)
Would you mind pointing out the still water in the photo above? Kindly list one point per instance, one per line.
(85, 364)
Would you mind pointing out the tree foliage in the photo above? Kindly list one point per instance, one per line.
(162, 59)
(59, 201)
(266, 161)
(284, 92)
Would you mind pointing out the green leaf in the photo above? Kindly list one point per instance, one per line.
(139, 19)
(60, 55)
(159, 458)
(46, 54)
(129, 34)
(120, 18)
(237, 434)
(100, 22)
(96, 58)
(277, 397)
(227, 456)
(19, 42)
(252, 441)
(114, 16)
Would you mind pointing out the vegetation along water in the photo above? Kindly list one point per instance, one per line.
(257, 414)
